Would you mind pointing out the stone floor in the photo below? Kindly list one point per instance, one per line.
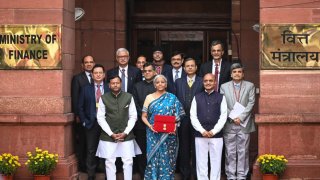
(101, 176)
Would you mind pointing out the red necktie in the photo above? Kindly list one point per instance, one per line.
(216, 76)
(98, 93)
(158, 70)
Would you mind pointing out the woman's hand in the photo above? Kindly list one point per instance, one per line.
(151, 128)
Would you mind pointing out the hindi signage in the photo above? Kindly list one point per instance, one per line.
(290, 46)
(30, 47)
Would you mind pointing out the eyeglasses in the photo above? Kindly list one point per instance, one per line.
(122, 57)
(145, 71)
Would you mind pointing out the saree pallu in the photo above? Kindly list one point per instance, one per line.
(162, 148)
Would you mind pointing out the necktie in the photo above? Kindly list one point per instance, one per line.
(216, 76)
(98, 93)
(176, 76)
(190, 82)
(123, 79)
(90, 78)
(158, 70)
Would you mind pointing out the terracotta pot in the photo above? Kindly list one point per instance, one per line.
(41, 177)
(6, 177)
(270, 177)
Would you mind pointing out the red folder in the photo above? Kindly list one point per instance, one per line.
(164, 124)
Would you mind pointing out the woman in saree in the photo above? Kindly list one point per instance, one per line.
(162, 148)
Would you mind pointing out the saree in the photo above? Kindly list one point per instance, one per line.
(162, 148)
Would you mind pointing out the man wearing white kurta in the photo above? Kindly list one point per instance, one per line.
(117, 116)
(208, 115)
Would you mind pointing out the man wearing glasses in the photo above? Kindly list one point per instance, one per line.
(128, 74)
(140, 91)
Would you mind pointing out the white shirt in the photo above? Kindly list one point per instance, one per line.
(174, 72)
(222, 118)
(88, 76)
(105, 126)
(125, 74)
(193, 79)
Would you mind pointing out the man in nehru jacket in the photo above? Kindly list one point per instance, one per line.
(159, 62)
(186, 88)
(117, 116)
(217, 66)
(208, 115)
(177, 71)
(78, 81)
(88, 100)
(240, 96)
(140, 92)
(128, 74)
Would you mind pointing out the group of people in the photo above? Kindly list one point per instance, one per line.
(115, 115)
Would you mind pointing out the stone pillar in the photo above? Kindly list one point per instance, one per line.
(35, 105)
(289, 116)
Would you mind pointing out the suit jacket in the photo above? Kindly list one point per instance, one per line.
(181, 86)
(134, 76)
(87, 105)
(78, 81)
(170, 77)
(246, 98)
(225, 74)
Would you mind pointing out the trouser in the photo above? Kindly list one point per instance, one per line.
(92, 138)
(237, 154)
(214, 147)
(186, 149)
(140, 161)
(80, 145)
(111, 168)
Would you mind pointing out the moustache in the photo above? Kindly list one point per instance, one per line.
(176, 63)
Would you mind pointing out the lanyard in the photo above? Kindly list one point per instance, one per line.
(237, 92)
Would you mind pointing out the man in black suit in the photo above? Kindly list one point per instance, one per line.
(140, 92)
(79, 81)
(186, 88)
(176, 72)
(159, 62)
(129, 74)
(219, 67)
(88, 105)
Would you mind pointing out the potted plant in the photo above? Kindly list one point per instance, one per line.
(271, 165)
(8, 165)
(41, 163)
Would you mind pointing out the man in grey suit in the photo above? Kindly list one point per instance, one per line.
(240, 96)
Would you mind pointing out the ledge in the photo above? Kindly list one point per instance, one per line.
(287, 118)
(36, 119)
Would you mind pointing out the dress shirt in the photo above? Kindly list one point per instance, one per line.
(193, 79)
(222, 118)
(101, 116)
(88, 76)
(214, 68)
(174, 72)
(126, 74)
(101, 87)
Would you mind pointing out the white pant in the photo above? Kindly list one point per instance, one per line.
(214, 147)
(111, 168)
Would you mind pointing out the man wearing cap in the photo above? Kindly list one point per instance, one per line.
(159, 62)
(218, 66)
(240, 97)
(128, 74)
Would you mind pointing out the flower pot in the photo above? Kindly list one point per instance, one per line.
(41, 177)
(6, 177)
(270, 177)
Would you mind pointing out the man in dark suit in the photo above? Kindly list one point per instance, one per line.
(218, 66)
(176, 72)
(88, 101)
(128, 74)
(186, 88)
(79, 81)
(140, 92)
(159, 62)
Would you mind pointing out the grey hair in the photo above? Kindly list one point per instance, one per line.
(122, 49)
(160, 76)
(236, 66)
